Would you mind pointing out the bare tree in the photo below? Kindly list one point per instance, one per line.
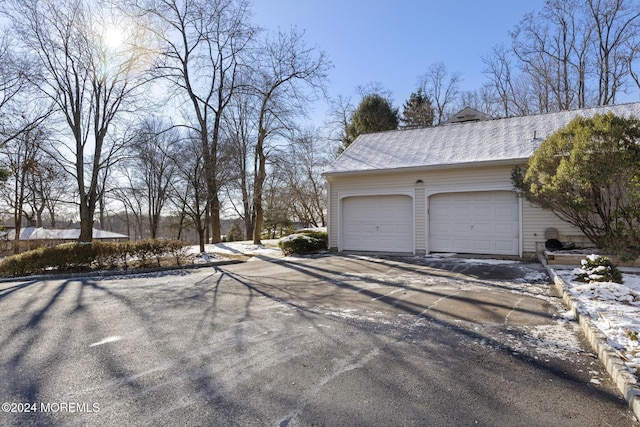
(21, 110)
(131, 198)
(286, 72)
(239, 128)
(53, 188)
(442, 89)
(48, 188)
(301, 166)
(36, 184)
(13, 75)
(616, 25)
(571, 54)
(553, 47)
(90, 82)
(201, 57)
(150, 162)
(188, 189)
(21, 155)
(502, 82)
(482, 99)
(340, 112)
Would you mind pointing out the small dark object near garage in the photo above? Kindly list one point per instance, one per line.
(557, 245)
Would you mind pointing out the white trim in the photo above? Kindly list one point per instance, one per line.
(471, 189)
(387, 192)
(425, 168)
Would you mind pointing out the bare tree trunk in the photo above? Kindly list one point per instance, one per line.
(17, 220)
(86, 222)
(126, 214)
(258, 186)
(52, 218)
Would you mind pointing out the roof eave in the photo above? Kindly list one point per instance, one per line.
(501, 162)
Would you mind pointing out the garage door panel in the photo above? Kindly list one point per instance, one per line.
(485, 228)
(377, 223)
(458, 245)
(482, 245)
(478, 222)
(505, 228)
(504, 209)
(483, 211)
(504, 245)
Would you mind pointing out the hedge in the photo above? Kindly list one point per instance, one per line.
(97, 255)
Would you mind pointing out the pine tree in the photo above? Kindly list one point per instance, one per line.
(417, 111)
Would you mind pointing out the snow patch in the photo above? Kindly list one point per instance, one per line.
(614, 309)
(220, 250)
(107, 340)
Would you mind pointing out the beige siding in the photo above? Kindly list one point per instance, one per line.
(361, 185)
(435, 181)
(536, 220)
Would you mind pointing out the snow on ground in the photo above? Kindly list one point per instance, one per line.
(224, 250)
(614, 308)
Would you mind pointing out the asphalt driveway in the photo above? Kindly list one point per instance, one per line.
(328, 340)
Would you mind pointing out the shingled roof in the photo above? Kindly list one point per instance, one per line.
(492, 141)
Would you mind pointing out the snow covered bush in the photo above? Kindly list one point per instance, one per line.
(598, 269)
(303, 243)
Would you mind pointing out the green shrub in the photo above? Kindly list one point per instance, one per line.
(303, 243)
(599, 269)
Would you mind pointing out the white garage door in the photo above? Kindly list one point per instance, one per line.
(377, 223)
(476, 223)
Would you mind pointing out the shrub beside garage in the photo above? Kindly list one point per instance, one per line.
(304, 243)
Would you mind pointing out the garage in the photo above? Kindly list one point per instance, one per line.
(378, 223)
(475, 222)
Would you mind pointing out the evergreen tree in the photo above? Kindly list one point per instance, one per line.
(417, 111)
(374, 114)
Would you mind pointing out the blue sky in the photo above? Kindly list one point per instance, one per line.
(394, 42)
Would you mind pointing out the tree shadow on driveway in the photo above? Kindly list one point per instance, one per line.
(446, 318)
(327, 340)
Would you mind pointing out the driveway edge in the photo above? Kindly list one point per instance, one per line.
(614, 365)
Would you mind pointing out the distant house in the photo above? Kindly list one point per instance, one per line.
(446, 188)
(468, 115)
(41, 233)
(31, 237)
